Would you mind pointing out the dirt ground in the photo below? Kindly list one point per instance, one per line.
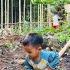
(7, 58)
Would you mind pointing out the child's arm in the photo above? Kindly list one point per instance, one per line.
(67, 45)
(25, 64)
(19, 61)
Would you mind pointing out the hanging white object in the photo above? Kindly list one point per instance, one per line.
(67, 8)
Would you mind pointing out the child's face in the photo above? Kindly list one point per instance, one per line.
(32, 51)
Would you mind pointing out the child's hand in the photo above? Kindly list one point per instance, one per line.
(19, 61)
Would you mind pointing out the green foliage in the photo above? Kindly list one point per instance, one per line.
(43, 30)
(67, 1)
(50, 1)
(42, 1)
(16, 29)
(8, 45)
(47, 1)
(25, 28)
(36, 1)
(62, 34)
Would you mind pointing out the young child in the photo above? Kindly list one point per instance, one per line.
(56, 21)
(39, 59)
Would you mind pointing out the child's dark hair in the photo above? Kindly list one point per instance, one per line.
(33, 39)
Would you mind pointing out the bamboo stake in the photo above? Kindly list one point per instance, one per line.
(12, 10)
(30, 16)
(49, 15)
(24, 10)
(38, 16)
(19, 16)
(1, 14)
(5, 12)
